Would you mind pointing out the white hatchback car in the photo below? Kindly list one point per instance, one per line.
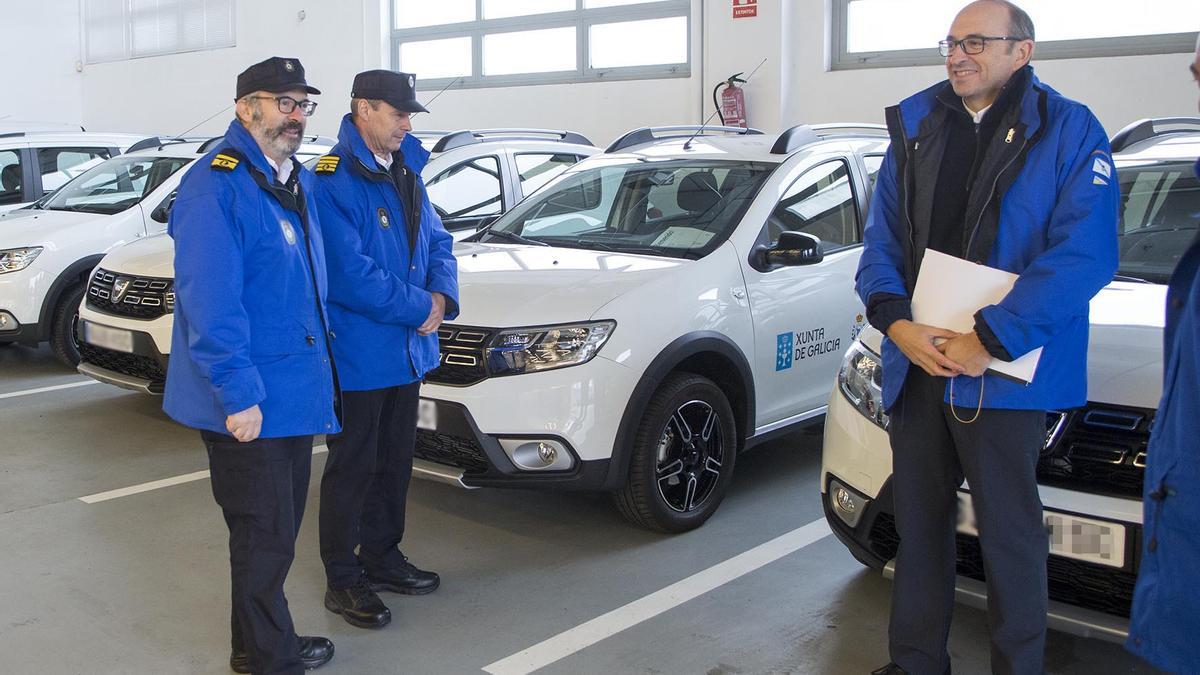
(1091, 467)
(33, 163)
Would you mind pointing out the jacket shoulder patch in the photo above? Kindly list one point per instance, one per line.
(224, 162)
(327, 164)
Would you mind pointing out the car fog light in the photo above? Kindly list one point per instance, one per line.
(537, 454)
(8, 322)
(846, 503)
(547, 453)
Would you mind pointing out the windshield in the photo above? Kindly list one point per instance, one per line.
(675, 208)
(115, 185)
(1160, 204)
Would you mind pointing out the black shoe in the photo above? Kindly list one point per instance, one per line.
(404, 578)
(890, 669)
(358, 605)
(314, 653)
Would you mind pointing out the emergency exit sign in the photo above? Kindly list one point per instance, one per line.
(744, 9)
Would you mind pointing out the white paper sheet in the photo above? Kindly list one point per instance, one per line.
(950, 290)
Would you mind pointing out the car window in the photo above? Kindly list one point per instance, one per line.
(470, 189)
(1160, 204)
(59, 165)
(821, 203)
(10, 177)
(873, 164)
(116, 184)
(537, 169)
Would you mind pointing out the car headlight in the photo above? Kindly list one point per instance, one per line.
(861, 382)
(529, 350)
(14, 259)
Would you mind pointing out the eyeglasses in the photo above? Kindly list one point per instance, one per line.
(971, 45)
(287, 104)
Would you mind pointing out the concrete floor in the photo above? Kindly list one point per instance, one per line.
(139, 584)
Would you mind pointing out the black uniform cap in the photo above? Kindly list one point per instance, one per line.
(276, 75)
(398, 90)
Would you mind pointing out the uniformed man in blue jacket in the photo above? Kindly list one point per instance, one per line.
(995, 167)
(250, 359)
(392, 280)
(1165, 621)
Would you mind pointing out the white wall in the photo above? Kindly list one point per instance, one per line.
(39, 44)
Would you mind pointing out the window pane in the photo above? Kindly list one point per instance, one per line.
(534, 51)
(589, 4)
(874, 163)
(468, 190)
(10, 177)
(115, 185)
(498, 9)
(414, 13)
(639, 43)
(1158, 219)
(59, 165)
(437, 58)
(537, 170)
(820, 203)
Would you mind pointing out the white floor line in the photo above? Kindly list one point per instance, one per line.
(587, 634)
(39, 390)
(158, 484)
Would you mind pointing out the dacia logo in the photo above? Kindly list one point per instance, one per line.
(783, 351)
(120, 288)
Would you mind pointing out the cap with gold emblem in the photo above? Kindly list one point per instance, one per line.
(398, 90)
(276, 75)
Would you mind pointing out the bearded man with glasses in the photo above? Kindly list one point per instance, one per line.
(997, 168)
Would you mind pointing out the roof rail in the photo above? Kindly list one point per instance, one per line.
(160, 141)
(208, 145)
(796, 137)
(650, 134)
(458, 139)
(1149, 128)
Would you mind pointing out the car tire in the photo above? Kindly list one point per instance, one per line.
(63, 341)
(683, 456)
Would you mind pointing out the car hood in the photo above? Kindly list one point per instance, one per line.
(36, 227)
(1125, 345)
(502, 285)
(150, 257)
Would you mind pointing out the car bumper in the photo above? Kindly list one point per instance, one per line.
(143, 368)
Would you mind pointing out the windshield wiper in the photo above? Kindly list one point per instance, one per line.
(513, 237)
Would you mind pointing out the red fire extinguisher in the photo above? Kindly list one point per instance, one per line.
(732, 105)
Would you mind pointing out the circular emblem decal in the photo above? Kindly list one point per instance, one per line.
(383, 219)
(288, 233)
(287, 65)
(412, 81)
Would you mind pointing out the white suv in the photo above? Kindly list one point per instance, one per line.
(651, 313)
(33, 163)
(48, 249)
(1091, 467)
(471, 177)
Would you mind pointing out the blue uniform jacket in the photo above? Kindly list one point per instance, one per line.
(248, 321)
(1054, 225)
(379, 281)
(1165, 621)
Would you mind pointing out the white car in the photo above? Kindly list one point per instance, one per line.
(33, 163)
(48, 250)
(472, 177)
(1091, 467)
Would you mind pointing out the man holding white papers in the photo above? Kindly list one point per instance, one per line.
(994, 167)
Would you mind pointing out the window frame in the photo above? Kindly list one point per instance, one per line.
(580, 18)
(840, 59)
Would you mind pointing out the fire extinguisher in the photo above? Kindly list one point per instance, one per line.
(732, 105)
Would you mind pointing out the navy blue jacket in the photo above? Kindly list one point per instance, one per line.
(1165, 621)
(380, 280)
(249, 325)
(1044, 206)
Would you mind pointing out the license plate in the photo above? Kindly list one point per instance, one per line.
(115, 339)
(1076, 537)
(426, 415)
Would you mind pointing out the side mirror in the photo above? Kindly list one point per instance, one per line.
(792, 249)
(163, 212)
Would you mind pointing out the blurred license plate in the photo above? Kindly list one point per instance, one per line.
(426, 415)
(109, 338)
(1087, 539)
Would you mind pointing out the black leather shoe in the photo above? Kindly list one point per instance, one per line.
(358, 605)
(404, 578)
(314, 653)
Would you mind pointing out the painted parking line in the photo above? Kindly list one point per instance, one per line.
(40, 390)
(159, 484)
(587, 634)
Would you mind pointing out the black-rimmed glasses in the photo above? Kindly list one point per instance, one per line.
(973, 44)
(287, 104)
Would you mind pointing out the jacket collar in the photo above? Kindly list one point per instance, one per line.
(914, 109)
(239, 138)
(350, 142)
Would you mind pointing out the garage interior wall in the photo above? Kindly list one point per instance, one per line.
(169, 94)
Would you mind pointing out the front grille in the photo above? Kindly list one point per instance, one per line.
(1100, 449)
(130, 295)
(134, 365)
(461, 361)
(1073, 582)
(451, 450)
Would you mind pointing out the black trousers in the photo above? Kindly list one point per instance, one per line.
(261, 487)
(365, 484)
(931, 453)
